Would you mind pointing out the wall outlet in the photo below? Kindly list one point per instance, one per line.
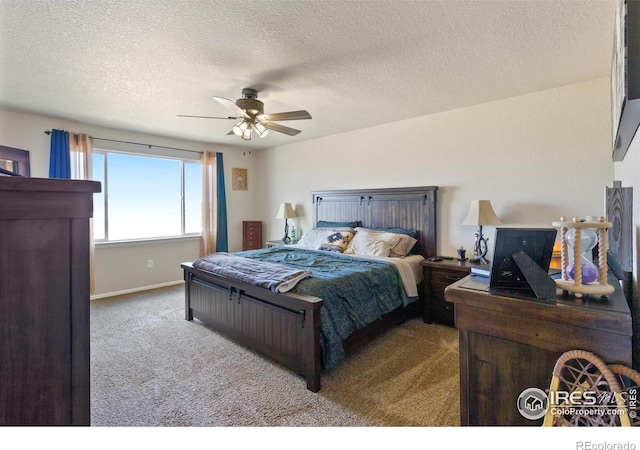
(149, 263)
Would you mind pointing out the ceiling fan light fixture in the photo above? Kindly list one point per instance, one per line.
(246, 134)
(261, 130)
(239, 128)
(248, 112)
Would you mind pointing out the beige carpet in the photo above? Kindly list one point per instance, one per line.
(150, 367)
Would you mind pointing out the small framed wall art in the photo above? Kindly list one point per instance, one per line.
(239, 179)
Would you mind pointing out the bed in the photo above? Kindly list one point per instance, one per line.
(300, 329)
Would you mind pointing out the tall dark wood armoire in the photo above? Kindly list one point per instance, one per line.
(44, 301)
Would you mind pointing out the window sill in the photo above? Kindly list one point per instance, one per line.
(146, 241)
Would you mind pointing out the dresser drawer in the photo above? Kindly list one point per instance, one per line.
(252, 245)
(443, 312)
(443, 278)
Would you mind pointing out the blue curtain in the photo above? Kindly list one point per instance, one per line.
(59, 156)
(222, 241)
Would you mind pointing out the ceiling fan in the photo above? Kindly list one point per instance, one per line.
(250, 111)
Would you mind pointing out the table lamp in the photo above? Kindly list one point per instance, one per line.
(286, 212)
(481, 213)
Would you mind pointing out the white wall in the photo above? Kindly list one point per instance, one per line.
(537, 157)
(124, 267)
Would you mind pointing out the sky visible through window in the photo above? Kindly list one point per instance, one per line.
(193, 197)
(144, 196)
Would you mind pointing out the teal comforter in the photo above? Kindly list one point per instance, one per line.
(355, 291)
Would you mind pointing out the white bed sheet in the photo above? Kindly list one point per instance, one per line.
(409, 268)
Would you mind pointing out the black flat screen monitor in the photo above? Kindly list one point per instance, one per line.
(535, 242)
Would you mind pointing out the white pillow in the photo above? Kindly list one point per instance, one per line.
(404, 246)
(313, 238)
(372, 243)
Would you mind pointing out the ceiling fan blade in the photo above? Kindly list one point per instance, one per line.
(209, 117)
(280, 128)
(232, 106)
(291, 115)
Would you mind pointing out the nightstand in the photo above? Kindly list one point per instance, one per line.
(274, 243)
(437, 276)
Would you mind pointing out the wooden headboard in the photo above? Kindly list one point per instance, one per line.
(409, 207)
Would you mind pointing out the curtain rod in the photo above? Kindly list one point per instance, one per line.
(138, 143)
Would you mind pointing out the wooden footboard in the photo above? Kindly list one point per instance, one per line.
(283, 327)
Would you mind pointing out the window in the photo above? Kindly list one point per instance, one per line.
(145, 197)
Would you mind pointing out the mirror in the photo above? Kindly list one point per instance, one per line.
(14, 161)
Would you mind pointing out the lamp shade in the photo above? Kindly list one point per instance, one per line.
(285, 211)
(239, 128)
(481, 213)
(261, 130)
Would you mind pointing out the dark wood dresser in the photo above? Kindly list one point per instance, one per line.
(44, 301)
(251, 235)
(437, 276)
(511, 344)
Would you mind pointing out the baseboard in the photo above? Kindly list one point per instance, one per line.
(138, 289)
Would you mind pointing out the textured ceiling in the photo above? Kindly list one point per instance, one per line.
(136, 64)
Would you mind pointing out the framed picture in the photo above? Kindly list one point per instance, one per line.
(537, 243)
(239, 179)
(14, 161)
